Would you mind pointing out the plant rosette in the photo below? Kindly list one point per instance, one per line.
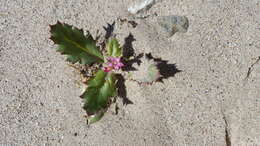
(83, 49)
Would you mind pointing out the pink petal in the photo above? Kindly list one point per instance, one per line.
(120, 64)
(116, 67)
(110, 64)
(117, 60)
(112, 59)
(106, 69)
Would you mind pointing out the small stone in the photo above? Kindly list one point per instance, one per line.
(141, 6)
(172, 24)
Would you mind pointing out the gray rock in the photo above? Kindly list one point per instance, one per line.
(169, 25)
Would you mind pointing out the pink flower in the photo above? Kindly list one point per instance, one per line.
(113, 63)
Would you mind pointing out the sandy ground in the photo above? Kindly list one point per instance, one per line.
(209, 103)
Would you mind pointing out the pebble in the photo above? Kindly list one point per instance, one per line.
(142, 6)
(172, 24)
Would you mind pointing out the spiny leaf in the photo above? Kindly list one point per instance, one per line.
(113, 48)
(147, 71)
(97, 96)
(73, 43)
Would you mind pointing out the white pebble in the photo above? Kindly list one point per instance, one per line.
(134, 9)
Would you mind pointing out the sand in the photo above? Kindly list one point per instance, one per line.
(213, 101)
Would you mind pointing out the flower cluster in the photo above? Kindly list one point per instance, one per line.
(113, 63)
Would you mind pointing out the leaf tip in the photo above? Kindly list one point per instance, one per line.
(52, 38)
(81, 96)
(58, 22)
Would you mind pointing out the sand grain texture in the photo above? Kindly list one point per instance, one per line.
(39, 94)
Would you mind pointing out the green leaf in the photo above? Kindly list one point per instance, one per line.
(100, 89)
(95, 118)
(73, 43)
(113, 48)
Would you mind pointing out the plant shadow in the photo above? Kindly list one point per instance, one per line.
(122, 89)
(129, 58)
(128, 52)
(109, 30)
(166, 70)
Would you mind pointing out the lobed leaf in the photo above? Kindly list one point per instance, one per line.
(97, 96)
(73, 43)
(113, 48)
